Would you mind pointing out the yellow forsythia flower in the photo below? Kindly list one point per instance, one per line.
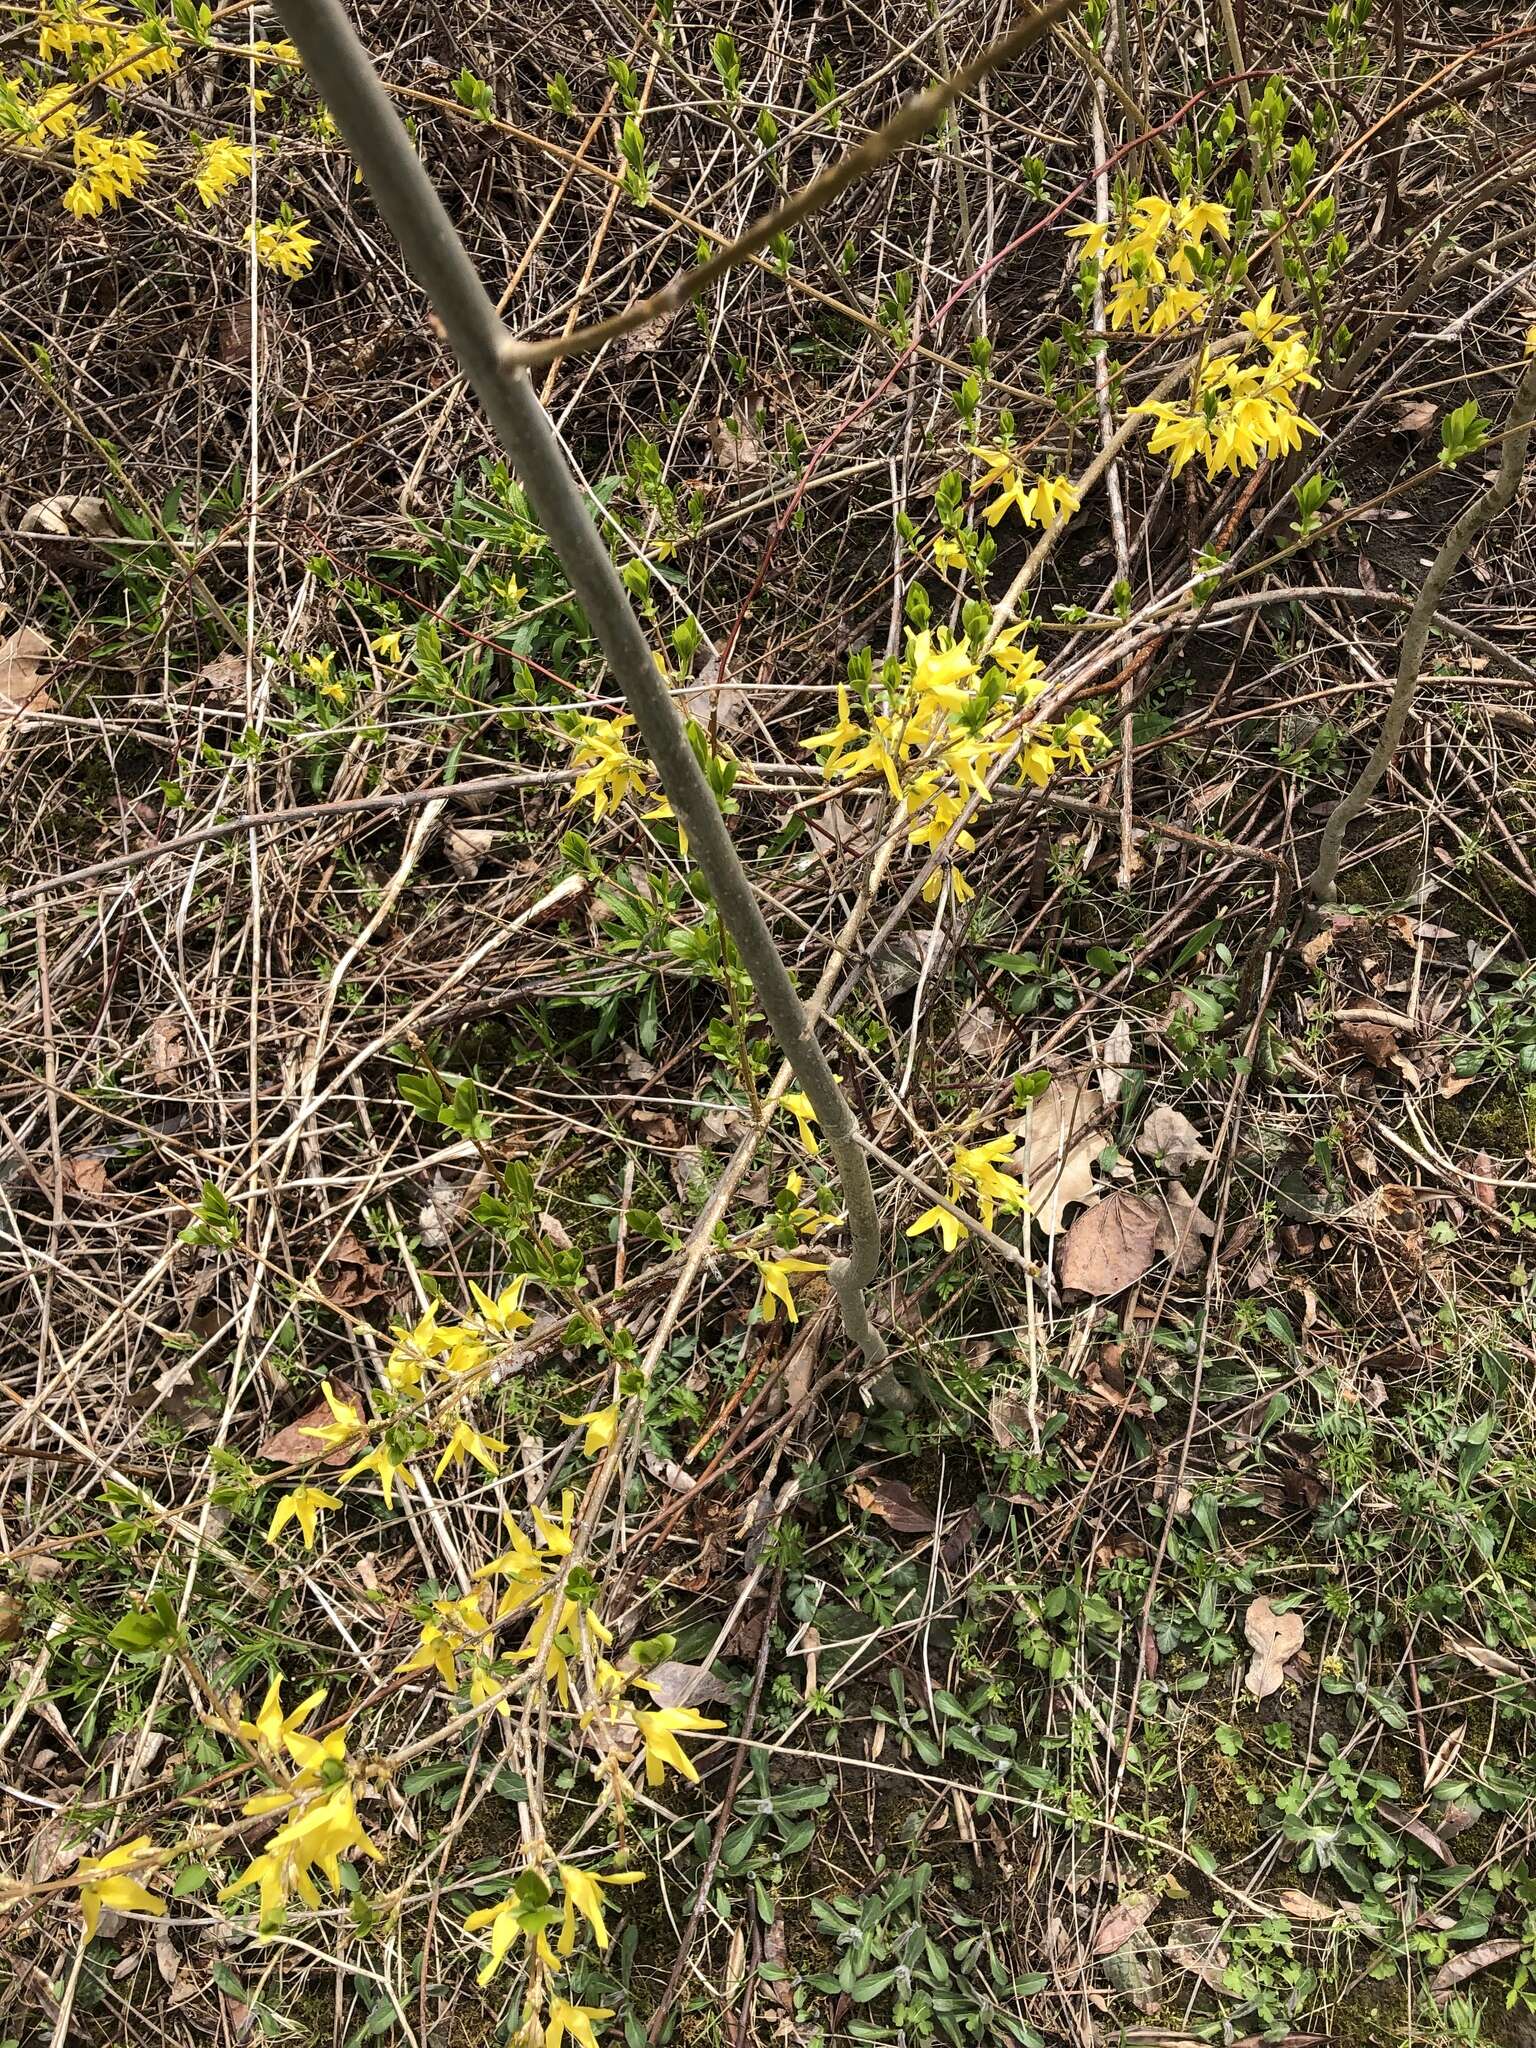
(283, 245)
(575, 2020)
(303, 1506)
(601, 1424)
(659, 1729)
(221, 165)
(584, 1895)
(104, 1881)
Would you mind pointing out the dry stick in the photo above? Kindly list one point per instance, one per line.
(1496, 499)
(909, 124)
(1125, 873)
(405, 196)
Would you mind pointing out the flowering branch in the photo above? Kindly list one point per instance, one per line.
(345, 75)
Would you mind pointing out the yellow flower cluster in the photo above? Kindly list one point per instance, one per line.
(107, 168)
(1246, 404)
(103, 53)
(607, 771)
(1040, 501)
(221, 165)
(976, 1173)
(434, 1371)
(1151, 263)
(92, 39)
(937, 734)
(282, 245)
(319, 1801)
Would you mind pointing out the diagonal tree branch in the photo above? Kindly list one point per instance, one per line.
(344, 72)
(908, 124)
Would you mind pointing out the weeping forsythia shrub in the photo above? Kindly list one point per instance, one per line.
(934, 731)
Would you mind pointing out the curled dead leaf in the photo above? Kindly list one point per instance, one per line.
(70, 513)
(1114, 1058)
(1470, 1962)
(1181, 1226)
(893, 1501)
(23, 657)
(1274, 1639)
(164, 1048)
(465, 846)
(1061, 1141)
(1169, 1139)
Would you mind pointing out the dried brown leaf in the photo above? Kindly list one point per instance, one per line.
(1471, 1961)
(1171, 1140)
(465, 846)
(1181, 1225)
(734, 444)
(164, 1048)
(1060, 1145)
(1114, 1058)
(1274, 1639)
(1302, 1906)
(1122, 1920)
(1494, 1662)
(1414, 415)
(69, 513)
(983, 1035)
(88, 1176)
(23, 655)
(1110, 1246)
(893, 1501)
(717, 706)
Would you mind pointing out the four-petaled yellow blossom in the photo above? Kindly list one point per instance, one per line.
(975, 1171)
(460, 1630)
(106, 1881)
(467, 1442)
(383, 1461)
(525, 1911)
(504, 1313)
(838, 738)
(221, 165)
(947, 553)
(346, 1422)
(608, 772)
(303, 1506)
(601, 1425)
(282, 245)
(560, 1628)
(803, 1111)
(524, 1565)
(659, 1729)
(776, 1274)
(271, 1725)
(576, 2020)
(584, 1895)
